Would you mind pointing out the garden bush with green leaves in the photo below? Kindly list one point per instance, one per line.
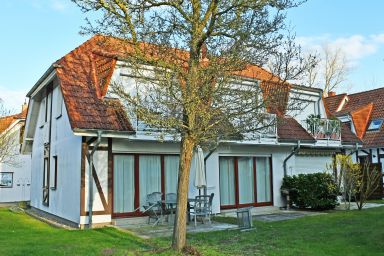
(316, 190)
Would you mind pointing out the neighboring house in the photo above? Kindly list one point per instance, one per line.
(15, 176)
(363, 113)
(69, 111)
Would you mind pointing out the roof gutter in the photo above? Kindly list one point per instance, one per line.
(294, 151)
(90, 179)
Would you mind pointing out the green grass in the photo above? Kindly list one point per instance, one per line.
(336, 233)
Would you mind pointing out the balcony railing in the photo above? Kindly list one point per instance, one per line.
(323, 129)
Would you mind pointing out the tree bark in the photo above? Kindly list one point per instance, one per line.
(180, 229)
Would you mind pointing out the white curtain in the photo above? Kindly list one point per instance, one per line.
(227, 181)
(171, 169)
(246, 180)
(123, 184)
(263, 180)
(149, 176)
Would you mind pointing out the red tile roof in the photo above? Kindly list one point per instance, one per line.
(6, 121)
(85, 73)
(358, 106)
(289, 129)
(333, 102)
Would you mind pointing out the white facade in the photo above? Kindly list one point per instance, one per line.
(64, 158)
(60, 162)
(18, 173)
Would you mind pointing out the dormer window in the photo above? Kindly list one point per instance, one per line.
(375, 125)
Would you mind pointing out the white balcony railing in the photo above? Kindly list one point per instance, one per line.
(323, 129)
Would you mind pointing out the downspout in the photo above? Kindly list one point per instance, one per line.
(90, 179)
(294, 151)
(205, 167)
(354, 151)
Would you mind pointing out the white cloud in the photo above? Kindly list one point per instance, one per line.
(58, 5)
(355, 47)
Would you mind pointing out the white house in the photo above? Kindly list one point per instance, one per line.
(15, 175)
(70, 118)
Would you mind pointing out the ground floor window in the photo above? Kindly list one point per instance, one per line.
(137, 175)
(245, 181)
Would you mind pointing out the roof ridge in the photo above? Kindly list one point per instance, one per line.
(376, 89)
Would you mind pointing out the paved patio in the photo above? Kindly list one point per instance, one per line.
(165, 229)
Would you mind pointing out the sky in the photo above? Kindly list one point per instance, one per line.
(35, 33)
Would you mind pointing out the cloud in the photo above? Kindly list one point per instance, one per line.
(355, 47)
(58, 5)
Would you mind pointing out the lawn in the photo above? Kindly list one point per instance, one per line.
(336, 233)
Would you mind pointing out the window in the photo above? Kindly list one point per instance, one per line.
(135, 176)
(46, 182)
(54, 176)
(245, 181)
(6, 179)
(375, 125)
(59, 103)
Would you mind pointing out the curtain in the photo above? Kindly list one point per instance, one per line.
(246, 180)
(124, 186)
(263, 177)
(227, 181)
(149, 176)
(171, 170)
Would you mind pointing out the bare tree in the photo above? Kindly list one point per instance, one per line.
(8, 141)
(332, 70)
(194, 67)
(368, 182)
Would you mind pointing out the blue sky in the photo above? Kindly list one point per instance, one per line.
(35, 33)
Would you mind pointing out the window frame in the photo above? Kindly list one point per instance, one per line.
(236, 181)
(136, 178)
(55, 170)
(375, 129)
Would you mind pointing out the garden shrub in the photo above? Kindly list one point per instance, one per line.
(316, 190)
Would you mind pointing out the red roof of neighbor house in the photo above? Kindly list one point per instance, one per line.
(364, 107)
(333, 102)
(6, 121)
(84, 75)
(289, 129)
(347, 136)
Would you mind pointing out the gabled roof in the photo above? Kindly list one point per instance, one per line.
(363, 107)
(84, 75)
(334, 102)
(7, 121)
(289, 129)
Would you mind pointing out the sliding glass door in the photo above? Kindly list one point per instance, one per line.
(137, 175)
(245, 181)
(227, 181)
(123, 184)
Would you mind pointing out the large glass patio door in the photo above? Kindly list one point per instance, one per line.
(123, 184)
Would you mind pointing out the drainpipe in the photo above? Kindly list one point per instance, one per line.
(354, 151)
(294, 151)
(90, 179)
(205, 167)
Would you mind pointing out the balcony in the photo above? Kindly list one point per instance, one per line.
(323, 129)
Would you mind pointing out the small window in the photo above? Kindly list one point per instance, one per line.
(375, 125)
(59, 103)
(54, 178)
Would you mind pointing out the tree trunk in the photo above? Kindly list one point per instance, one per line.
(180, 229)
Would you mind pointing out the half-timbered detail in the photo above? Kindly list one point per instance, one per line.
(104, 162)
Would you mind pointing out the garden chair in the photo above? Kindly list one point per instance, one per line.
(154, 207)
(202, 207)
